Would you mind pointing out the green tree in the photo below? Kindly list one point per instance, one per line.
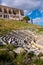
(26, 18)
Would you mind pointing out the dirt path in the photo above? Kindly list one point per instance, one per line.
(40, 39)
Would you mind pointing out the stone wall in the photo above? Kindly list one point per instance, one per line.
(11, 13)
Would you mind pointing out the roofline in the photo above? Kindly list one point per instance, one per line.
(10, 7)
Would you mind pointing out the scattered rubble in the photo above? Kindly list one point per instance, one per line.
(23, 39)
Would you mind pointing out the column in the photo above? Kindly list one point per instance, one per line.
(2, 12)
(19, 15)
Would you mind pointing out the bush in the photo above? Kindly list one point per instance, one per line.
(10, 47)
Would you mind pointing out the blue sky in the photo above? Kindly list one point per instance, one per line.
(32, 8)
(36, 13)
(0, 1)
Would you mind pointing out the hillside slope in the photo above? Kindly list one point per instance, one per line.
(8, 25)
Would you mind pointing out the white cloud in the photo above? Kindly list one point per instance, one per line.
(23, 4)
(38, 20)
(4, 3)
(26, 12)
(30, 13)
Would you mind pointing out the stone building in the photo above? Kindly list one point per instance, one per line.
(11, 13)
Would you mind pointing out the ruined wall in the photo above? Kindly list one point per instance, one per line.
(11, 13)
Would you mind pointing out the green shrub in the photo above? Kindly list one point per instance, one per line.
(10, 47)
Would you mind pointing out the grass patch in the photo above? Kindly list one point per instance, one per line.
(3, 47)
(38, 62)
(7, 26)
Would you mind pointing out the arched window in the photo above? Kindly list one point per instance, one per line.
(10, 12)
(14, 12)
(5, 10)
(0, 10)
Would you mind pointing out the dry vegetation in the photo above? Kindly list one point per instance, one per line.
(8, 25)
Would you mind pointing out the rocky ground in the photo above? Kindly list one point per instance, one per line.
(21, 39)
(40, 39)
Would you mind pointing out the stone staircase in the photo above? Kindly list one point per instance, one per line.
(21, 38)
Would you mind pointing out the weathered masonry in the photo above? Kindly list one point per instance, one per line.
(11, 13)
